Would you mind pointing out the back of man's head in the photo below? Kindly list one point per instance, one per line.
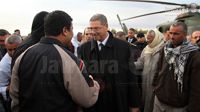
(55, 22)
(37, 29)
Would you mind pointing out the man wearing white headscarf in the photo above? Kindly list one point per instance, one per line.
(147, 62)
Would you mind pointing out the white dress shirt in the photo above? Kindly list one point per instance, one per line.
(103, 42)
(5, 74)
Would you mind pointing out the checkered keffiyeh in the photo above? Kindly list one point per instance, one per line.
(177, 58)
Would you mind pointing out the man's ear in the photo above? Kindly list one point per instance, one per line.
(65, 31)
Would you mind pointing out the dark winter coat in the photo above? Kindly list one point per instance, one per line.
(110, 67)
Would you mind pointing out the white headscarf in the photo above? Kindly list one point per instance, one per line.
(75, 43)
(156, 43)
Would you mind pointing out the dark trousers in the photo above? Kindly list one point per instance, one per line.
(5, 106)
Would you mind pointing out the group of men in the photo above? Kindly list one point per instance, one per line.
(47, 77)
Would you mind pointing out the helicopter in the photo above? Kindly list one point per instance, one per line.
(191, 17)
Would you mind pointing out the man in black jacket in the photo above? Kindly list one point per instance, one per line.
(47, 77)
(107, 60)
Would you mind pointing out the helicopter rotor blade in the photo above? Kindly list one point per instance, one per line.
(119, 21)
(185, 6)
(152, 13)
(150, 1)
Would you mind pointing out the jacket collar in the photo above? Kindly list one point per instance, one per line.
(48, 40)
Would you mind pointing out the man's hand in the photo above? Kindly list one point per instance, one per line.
(134, 109)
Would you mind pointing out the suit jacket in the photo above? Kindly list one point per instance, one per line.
(110, 67)
(132, 41)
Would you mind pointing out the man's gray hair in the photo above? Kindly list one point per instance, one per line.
(182, 24)
(99, 17)
(13, 39)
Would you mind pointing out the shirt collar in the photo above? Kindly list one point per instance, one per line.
(104, 41)
(108, 42)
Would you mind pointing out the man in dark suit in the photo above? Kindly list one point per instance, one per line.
(107, 60)
(131, 36)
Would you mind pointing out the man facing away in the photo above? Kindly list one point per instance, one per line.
(107, 60)
(47, 77)
(177, 78)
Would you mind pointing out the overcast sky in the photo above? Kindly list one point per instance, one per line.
(18, 14)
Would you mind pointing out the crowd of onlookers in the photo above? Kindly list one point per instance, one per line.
(98, 71)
